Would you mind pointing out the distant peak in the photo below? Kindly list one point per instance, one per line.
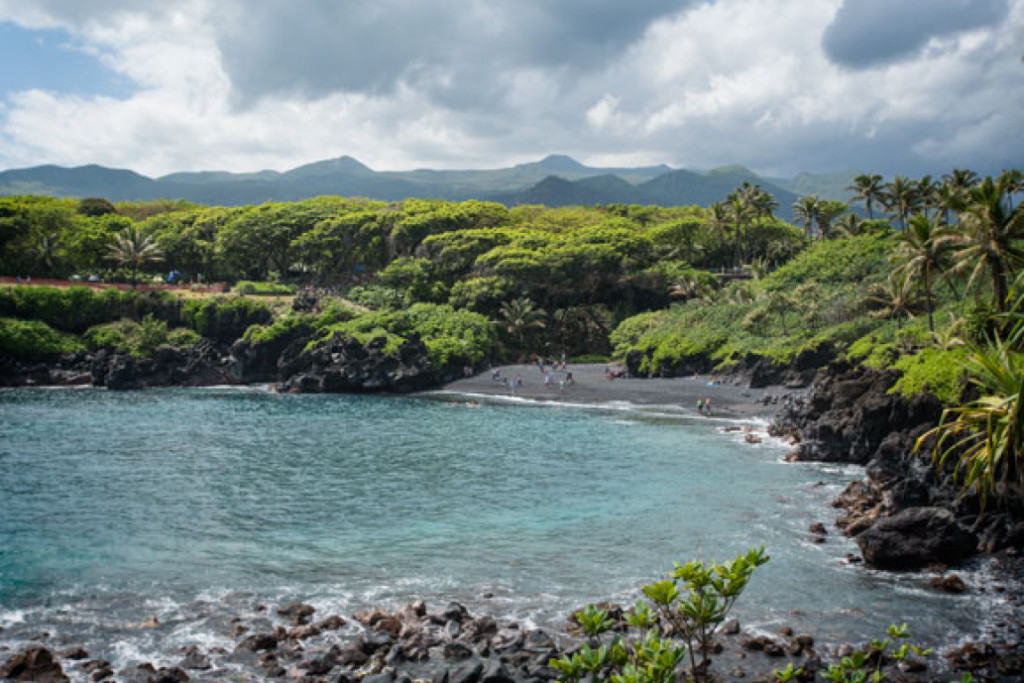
(345, 164)
(733, 169)
(559, 162)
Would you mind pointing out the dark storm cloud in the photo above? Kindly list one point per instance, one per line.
(452, 49)
(866, 33)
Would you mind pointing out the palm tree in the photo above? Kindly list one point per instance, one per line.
(895, 299)
(962, 179)
(848, 225)
(828, 211)
(806, 209)
(922, 253)
(948, 198)
(519, 318)
(690, 287)
(1012, 181)
(925, 193)
(741, 214)
(46, 248)
(990, 239)
(987, 435)
(132, 249)
(901, 197)
(868, 188)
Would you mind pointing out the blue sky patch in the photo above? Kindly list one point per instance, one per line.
(48, 60)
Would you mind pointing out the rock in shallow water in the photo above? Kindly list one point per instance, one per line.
(915, 538)
(35, 664)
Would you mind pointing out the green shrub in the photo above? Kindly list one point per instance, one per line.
(691, 604)
(222, 318)
(183, 337)
(33, 339)
(251, 288)
(941, 371)
(452, 337)
(138, 338)
(75, 309)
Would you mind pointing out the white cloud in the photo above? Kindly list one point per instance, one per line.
(228, 86)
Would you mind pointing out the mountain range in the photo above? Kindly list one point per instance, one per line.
(556, 180)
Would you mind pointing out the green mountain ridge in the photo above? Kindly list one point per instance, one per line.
(533, 182)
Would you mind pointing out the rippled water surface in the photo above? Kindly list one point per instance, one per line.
(191, 505)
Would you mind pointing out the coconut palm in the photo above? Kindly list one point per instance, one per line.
(962, 179)
(869, 189)
(741, 215)
(806, 209)
(922, 254)
(828, 211)
(1012, 181)
(895, 299)
(46, 249)
(990, 239)
(519, 318)
(901, 198)
(132, 250)
(848, 225)
(948, 199)
(925, 193)
(986, 436)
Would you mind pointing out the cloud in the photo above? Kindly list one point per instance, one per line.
(459, 53)
(867, 33)
(438, 83)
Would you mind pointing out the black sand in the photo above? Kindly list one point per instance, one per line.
(591, 386)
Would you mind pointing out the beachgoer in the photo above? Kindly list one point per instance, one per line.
(519, 380)
(707, 405)
(700, 406)
(496, 374)
(569, 379)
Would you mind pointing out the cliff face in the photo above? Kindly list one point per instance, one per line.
(909, 512)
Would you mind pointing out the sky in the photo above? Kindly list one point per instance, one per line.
(780, 86)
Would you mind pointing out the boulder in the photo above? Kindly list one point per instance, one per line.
(298, 613)
(915, 538)
(258, 642)
(35, 664)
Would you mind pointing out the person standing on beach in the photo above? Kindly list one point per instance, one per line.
(700, 406)
(707, 405)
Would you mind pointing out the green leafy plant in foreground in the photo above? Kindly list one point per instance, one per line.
(690, 606)
(985, 436)
(873, 663)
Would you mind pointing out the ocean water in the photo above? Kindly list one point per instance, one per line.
(197, 506)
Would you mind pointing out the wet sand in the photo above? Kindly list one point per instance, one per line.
(591, 386)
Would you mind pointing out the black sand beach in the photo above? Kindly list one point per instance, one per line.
(590, 385)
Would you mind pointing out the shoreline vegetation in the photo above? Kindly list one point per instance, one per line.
(893, 343)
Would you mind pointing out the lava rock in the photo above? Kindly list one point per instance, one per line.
(915, 538)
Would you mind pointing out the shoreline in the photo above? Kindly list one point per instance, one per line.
(729, 398)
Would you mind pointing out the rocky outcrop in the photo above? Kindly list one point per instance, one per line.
(850, 416)
(35, 664)
(916, 537)
(203, 364)
(754, 370)
(344, 364)
(908, 513)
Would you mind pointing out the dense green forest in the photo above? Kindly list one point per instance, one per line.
(686, 287)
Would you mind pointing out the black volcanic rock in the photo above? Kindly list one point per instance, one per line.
(915, 538)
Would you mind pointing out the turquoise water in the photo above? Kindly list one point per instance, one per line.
(195, 505)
